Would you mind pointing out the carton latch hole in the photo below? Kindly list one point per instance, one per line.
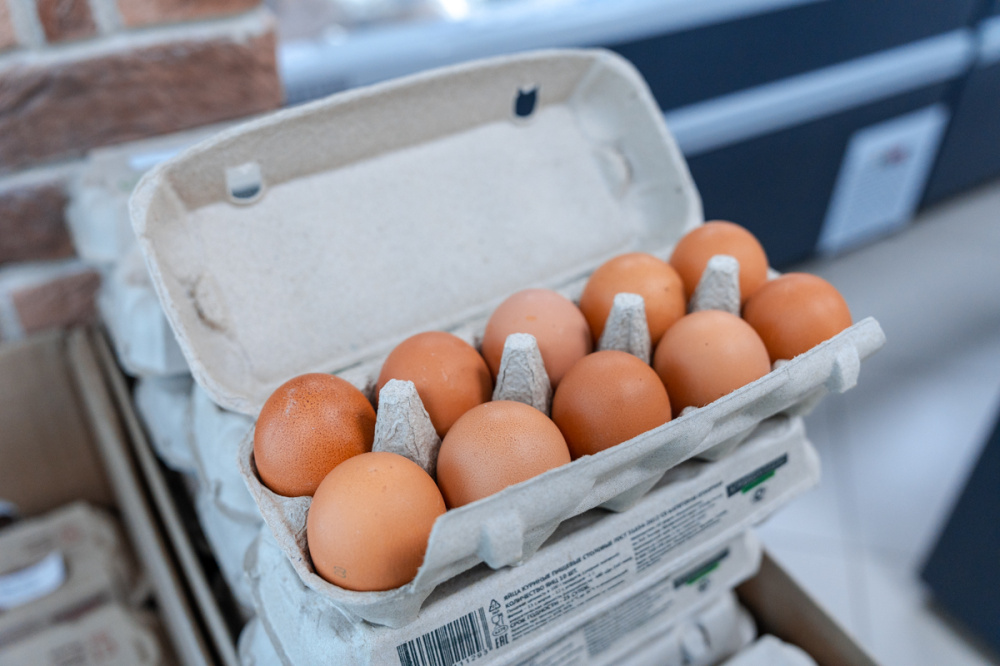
(244, 183)
(525, 102)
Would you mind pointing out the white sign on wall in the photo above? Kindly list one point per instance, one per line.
(881, 178)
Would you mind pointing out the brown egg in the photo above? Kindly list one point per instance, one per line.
(370, 520)
(496, 445)
(707, 355)
(308, 426)
(692, 253)
(450, 375)
(607, 398)
(635, 273)
(795, 312)
(559, 327)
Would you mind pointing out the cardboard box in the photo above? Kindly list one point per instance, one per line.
(317, 238)
(64, 440)
(58, 566)
(110, 635)
(782, 608)
(218, 619)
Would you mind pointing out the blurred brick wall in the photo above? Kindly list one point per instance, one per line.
(79, 74)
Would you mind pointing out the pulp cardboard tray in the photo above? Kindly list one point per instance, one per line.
(55, 566)
(594, 560)
(509, 616)
(317, 238)
(108, 636)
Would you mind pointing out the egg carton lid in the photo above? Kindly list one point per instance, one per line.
(317, 238)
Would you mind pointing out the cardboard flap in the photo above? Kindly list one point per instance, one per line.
(321, 236)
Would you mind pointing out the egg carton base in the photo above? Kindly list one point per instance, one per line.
(777, 457)
(514, 615)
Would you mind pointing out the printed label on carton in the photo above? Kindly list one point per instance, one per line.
(591, 575)
(602, 633)
(470, 637)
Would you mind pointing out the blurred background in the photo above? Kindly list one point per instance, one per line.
(858, 140)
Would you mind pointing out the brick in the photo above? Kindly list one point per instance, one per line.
(32, 226)
(62, 302)
(146, 12)
(65, 108)
(63, 20)
(8, 35)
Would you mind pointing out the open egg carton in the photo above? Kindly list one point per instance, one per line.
(319, 237)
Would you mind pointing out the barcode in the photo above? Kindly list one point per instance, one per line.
(465, 638)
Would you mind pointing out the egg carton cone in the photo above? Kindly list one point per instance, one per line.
(719, 286)
(580, 583)
(164, 405)
(403, 427)
(254, 646)
(522, 376)
(317, 238)
(725, 508)
(771, 651)
(626, 329)
(140, 334)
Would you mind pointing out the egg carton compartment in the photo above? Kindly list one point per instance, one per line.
(693, 522)
(317, 238)
(509, 527)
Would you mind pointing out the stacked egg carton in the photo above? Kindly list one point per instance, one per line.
(184, 427)
(252, 236)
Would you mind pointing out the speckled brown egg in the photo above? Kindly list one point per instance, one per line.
(370, 520)
(308, 426)
(496, 445)
(795, 312)
(707, 355)
(635, 273)
(559, 327)
(449, 374)
(692, 252)
(608, 398)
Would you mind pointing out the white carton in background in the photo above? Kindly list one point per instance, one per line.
(217, 434)
(143, 341)
(421, 194)
(227, 512)
(692, 524)
(193, 436)
(59, 565)
(254, 646)
(229, 539)
(98, 220)
(97, 214)
(107, 636)
(164, 404)
(771, 651)
(703, 638)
